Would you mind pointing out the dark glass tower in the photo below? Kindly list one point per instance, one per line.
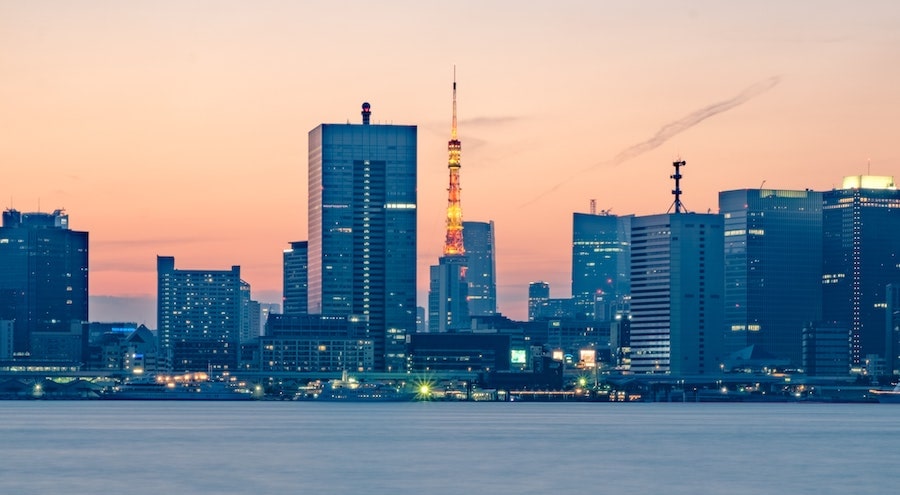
(600, 256)
(538, 294)
(295, 284)
(481, 274)
(362, 230)
(43, 279)
(448, 308)
(861, 256)
(773, 263)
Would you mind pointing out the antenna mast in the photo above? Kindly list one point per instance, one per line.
(678, 205)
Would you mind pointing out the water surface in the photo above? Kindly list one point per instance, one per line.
(137, 448)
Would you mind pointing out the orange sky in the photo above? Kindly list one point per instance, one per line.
(180, 128)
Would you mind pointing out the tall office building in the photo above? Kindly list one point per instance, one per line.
(295, 286)
(448, 286)
(43, 284)
(677, 291)
(600, 256)
(448, 308)
(538, 294)
(892, 330)
(773, 268)
(199, 316)
(481, 274)
(861, 256)
(250, 315)
(362, 230)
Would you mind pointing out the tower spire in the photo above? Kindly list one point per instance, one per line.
(454, 242)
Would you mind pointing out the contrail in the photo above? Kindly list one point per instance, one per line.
(672, 129)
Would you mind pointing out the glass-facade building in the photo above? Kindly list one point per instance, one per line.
(773, 268)
(448, 308)
(538, 294)
(481, 273)
(295, 286)
(43, 283)
(892, 329)
(600, 256)
(362, 231)
(861, 256)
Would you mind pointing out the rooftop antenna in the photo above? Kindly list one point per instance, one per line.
(678, 205)
(366, 112)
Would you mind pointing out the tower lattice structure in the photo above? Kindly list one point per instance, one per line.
(454, 243)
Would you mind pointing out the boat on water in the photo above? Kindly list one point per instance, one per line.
(887, 396)
(178, 387)
(349, 389)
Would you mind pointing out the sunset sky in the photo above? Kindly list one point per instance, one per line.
(180, 128)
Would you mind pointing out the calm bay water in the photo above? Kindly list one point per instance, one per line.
(137, 448)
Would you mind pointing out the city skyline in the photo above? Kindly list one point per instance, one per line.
(180, 129)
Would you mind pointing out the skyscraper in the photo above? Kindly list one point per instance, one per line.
(773, 268)
(892, 330)
(448, 287)
(448, 308)
(600, 256)
(295, 283)
(481, 272)
(861, 256)
(199, 316)
(362, 230)
(676, 291)
(43, 283)
(538, 294)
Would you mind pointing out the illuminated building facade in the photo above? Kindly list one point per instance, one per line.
(362, 230)
(295, 286)
(600, 256)
(308, 343)
(676, 294)
(44, 284)
(481, 272)
(773, 268)
(469, 352)
(861, 256)
(448, 287)
(199, 316)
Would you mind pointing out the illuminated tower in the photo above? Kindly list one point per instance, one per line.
(453, 246)
(448, 291)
